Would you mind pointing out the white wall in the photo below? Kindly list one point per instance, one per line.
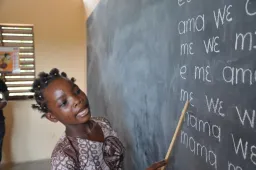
(59, 27)
(90, 5)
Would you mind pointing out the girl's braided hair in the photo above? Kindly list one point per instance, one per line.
(40, 83)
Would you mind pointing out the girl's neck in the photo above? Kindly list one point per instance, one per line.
(81, 130)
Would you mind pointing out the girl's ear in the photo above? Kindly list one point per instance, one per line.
(51, 117)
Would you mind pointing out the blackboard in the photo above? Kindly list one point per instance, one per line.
(146, 58)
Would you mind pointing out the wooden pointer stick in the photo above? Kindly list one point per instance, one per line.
(176, 133)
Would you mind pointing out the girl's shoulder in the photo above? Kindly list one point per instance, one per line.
(105, 126)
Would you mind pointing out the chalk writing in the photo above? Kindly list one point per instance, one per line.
(253, 154)
(203, 126)
(211, 45)
(250, 12)
(202, 73)
(183, 70)
(186, 96)
(241, 148)
(182, 2)
(246, 117)
(223, 15)
(198, 149)
(215, 106)
(224, 26)
(231, 166)
(192, 25)
(186, 49)
(235, 75)
(242, 38)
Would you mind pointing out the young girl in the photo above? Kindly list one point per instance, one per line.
(89, 143)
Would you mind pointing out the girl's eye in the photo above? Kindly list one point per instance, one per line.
(64, 103)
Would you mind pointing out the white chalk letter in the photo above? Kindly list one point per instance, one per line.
(247, 10)
(196, 24)
(233, 167)
(214, 162)
(193, 121)
(193, 145)
(181, 2)
(253, 154)
(246, 116)
(181, 27)
(184, 138)
(207, 74)
(240, 146)
(242, 38)
(229, 79)
(183, 70)
(203, 149)
(216, 131)
(243, 74)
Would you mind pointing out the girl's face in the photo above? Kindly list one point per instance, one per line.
(66, 102)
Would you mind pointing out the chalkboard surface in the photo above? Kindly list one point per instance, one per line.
(146, 58)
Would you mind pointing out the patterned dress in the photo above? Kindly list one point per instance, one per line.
(73, 153)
